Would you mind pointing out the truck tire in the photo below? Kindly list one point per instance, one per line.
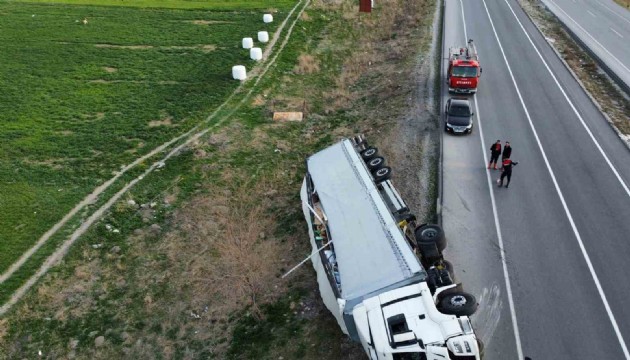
(369, 153)
(376, 163)
(429, 234)
(459, 304)
(382, 174)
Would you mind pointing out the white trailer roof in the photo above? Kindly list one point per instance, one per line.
(371, 251)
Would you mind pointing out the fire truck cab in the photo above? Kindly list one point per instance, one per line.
(463, 69)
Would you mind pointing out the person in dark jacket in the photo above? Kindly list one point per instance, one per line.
(507, 151)
(495, 151)
(506, 171)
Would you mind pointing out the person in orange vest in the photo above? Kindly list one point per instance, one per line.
(506, 171)
(495, 151)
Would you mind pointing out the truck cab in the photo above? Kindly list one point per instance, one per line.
(405, 324)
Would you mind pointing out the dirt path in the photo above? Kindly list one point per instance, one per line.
(190, 136)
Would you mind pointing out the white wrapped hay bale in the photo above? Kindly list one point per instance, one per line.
(263, 36)
(267, 18)
(255, 54)
(248, 43)
(239, 72)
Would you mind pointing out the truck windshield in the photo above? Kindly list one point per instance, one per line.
(464, 71)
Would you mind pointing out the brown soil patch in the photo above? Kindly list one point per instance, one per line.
(164, 122)
(130, 47)
(305, 17)
(204, 47)
(307, 64)
(258, 100)
(3, 328)
(208, 48)
(171, 197)
(207, 22)
(110, 69)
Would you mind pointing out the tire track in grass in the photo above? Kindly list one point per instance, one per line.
(190, 137)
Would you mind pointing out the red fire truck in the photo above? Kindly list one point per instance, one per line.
(463, 69)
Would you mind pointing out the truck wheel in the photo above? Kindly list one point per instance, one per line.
(382, 174)
(376, 163)
(369, 153)
(459, 304)
(430, 234)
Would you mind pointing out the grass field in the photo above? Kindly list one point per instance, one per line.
(176, 4)
(193, 270)
(80, 101)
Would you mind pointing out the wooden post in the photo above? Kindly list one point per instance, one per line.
(365, 6)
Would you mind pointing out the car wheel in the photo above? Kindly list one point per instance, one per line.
(459, 304)
(369, 153)
(376, 163)
(382, 174)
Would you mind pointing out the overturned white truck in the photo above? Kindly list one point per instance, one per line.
(383, 278)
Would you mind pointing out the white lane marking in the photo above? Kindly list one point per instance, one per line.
(593, 15)
(495, 213)
(618, 34)
(614, 12)
(591, 36)
(555, 183)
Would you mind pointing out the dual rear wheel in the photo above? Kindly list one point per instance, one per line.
(376, 164)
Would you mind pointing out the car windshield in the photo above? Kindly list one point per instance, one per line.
(464, 71)
(458, 110)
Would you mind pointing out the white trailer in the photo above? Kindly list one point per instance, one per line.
(381, 276)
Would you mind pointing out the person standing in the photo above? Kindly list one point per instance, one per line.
(506, 171)
(495, 151)
(507, 151)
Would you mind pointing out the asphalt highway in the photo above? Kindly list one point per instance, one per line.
(603, 26)
(547, 258)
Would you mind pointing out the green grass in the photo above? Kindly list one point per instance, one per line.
(46, 321)
(176, 4)
(77, 99)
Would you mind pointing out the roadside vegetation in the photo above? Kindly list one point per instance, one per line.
(188, 264)
(610, 99)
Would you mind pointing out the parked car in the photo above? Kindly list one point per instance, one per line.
(458, 116)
